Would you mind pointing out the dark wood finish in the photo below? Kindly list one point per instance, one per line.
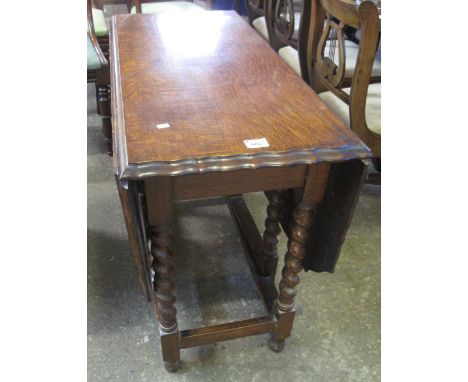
(253, 249)
(101, 77)
(220, 183)
(103, 42)
(325, 75)
(224, 332)
(334, 215)
(303, 37)
(280, 19)
(313, 192)
(104, 110)
(159, 218)
(272, 230)
(213, 99)
(159, 201)
(128, 197)
(255, 9)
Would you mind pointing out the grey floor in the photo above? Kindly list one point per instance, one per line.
(336, 335)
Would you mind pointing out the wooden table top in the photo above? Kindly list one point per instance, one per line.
(188, 91)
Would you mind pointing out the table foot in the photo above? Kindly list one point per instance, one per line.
(276, 345)
(172, 366)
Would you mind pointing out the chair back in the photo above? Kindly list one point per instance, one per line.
(286, 22)
(254, 9)
(89, 4)
(283, 16)
(96, 75)
(328, 19)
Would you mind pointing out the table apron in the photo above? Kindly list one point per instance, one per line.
(228, 183)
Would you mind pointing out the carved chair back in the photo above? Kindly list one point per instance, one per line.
(255, 9)
(286, 22)
(328, 19)
(283, 17)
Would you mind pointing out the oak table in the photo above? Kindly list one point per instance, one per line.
(202, 107)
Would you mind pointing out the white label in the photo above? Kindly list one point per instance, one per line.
(256, 143)
(163, 126)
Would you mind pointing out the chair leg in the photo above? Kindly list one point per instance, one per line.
(104, 108)
(97, 98)
(374, 177)
(376, 162)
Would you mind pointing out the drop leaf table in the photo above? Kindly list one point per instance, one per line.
(202, 107)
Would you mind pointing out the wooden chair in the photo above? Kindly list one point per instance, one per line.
(98, 72)
(100, 26)
(359, 104)
(259, 14)
(157, 7)
(285, 21)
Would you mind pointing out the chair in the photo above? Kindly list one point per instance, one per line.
(100, 27)
(157, 7)
(292, 45)
(284, 20)
(260, 13)
(257, 12)
(98, 72)
(358, 105)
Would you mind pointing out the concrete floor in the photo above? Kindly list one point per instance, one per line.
(336, 335)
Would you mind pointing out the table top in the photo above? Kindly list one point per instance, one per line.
(188, 92)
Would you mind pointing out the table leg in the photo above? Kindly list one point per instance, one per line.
(159, 203)
(285, 307)
(270, 236)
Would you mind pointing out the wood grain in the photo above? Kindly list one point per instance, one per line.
(237, 182)
(224, 332)
(217, 85)
(312, 194)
